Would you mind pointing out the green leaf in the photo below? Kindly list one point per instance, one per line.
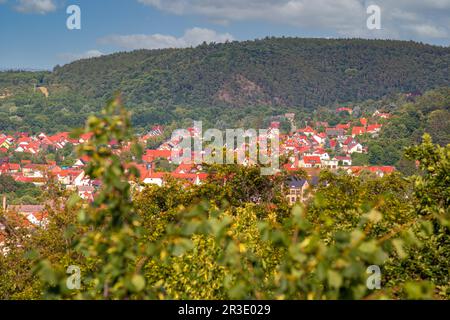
(334, 279)
(398, 245)
(138, 282)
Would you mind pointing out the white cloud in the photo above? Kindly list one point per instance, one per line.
(68, 57)
(424, 30)
(191, 38)
(403, 19)
(36, 6)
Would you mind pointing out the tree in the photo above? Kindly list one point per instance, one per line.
(234, 237)
(438, 126)
(360, 159)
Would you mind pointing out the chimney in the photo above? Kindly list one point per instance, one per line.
(4, 203)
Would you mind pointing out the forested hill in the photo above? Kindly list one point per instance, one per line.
(273, 71)
(236, 84)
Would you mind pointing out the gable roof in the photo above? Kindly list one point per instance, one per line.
(358, 130)
(374, 127)
(295, 182)
(311, 160)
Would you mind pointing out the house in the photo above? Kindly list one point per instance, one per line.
(190, 178)
(86, 192)
(35, 170)
(292, 165)
(28, 146)
(380, 171)
(332, 144)
(6, 142)
(275, 125)
(59, 140)
(185, 168)
(70, 177)
(36, 215)
(322, 124)
(374, 128)
(156, 131)
(81, 162)
(343, 126)
(321, 153)
(290, 145)
(290, 116)
(381, 115)
(356, 131)
(308, 131)
(156, 178)
(37, 181)
(343, 109)
(302, 150)
(24, 141)
(151, 155)
(330, 163)
(85, 137)
(346, 161)
(354, 147)
(334, 132)
(310, 162)
(347, 141)
(82, 180)
(9, 168)
(320, 138)
(296, 188)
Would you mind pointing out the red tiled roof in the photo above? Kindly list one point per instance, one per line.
(308, 129)
(303, 149)
(343, 158)
(333, 143)
(86, 136)
(150, 155)
(69, 172)
(358, 130)
(373, 127)
(384, 169)
(344, 109)
(343, 126)
(155, 175)
(186, 167)
(311, 160)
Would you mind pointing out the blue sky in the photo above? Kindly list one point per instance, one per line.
(33, 33)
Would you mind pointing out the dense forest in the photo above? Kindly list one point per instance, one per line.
(242, 82)
(288, 71)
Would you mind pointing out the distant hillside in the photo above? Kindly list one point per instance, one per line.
(273, 71)
(238, 84)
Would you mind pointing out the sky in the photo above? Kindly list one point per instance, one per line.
(34, 34)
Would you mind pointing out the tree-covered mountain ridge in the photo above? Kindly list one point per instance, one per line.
(273, 71)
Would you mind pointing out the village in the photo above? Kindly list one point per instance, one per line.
(313, 148)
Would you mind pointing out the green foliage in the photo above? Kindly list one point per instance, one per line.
(432, 188)
(240, 83)
(279, 71)
(234, 237)
(411, 119)
(17, 192)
